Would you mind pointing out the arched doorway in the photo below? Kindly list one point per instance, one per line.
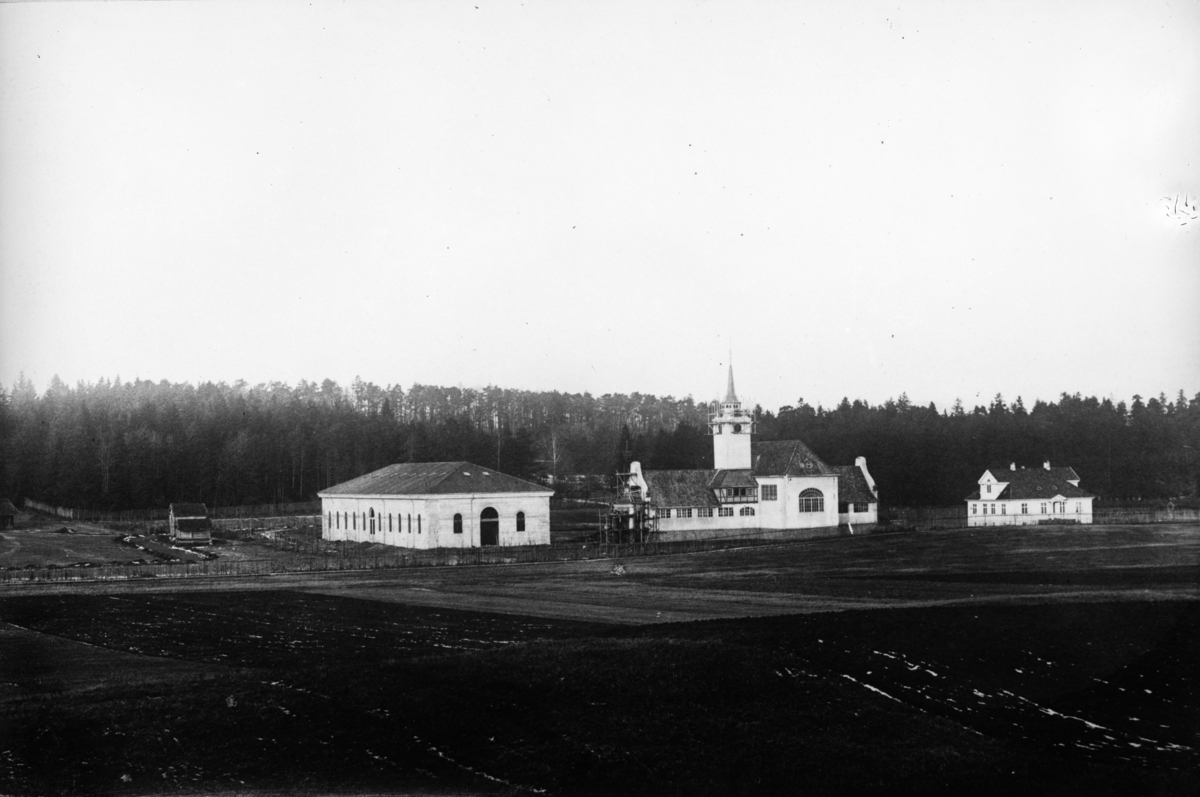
(489, 527)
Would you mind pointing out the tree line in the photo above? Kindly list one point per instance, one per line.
(141, 444)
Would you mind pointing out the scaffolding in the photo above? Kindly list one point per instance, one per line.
(629, 517)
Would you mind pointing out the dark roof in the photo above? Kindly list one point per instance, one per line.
(433, 478)
(786, 458)
(189, 510)
(852, 485)
(193, 524)
(733, 478)
(681, 487)
(1007, 474)
(6, 507)
(1034, 483)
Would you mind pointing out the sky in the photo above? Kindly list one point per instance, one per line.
(947, 200)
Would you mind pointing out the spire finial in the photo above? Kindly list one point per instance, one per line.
(730, 395)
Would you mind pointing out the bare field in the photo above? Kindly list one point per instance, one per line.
(1046, 564)
(1057, 661)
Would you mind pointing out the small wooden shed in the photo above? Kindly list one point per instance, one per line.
(8, 514)
(189, 524)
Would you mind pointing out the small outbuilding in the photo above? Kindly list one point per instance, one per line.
(8, 514)
(858, 497)
(437, 505)
(189, 524)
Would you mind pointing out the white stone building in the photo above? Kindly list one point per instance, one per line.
(437, 505)
(1015, 496)
(779, 486)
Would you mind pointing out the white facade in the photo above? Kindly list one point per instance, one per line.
(1028, 512)
(775, 486)
(732, 431)
(783, 511)
(1027, 496)
(437, 519)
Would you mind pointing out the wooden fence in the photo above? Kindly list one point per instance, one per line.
(147, 515)
(927, 518)
(345, 558)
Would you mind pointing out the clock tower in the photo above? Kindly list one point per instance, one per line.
(731, 429)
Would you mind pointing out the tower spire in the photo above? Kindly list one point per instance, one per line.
(730, 395)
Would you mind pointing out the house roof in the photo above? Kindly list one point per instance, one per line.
(193, 524)
(1005, 473)
(1034, 484)
(681, 487)
(852, 485)
(786, 458)
(433, 478)
(724, 479)
(189, 510)
(7, 508)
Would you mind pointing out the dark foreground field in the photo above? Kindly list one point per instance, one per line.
(1060, 664)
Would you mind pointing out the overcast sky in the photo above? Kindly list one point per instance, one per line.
(944, 199)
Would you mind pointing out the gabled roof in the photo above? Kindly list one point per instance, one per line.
(1003, 474)
(189, 510)
(7, 508)
(786, 458)
(433, 478)
(724, 479)
(193, 524)
(1034, 484)
(852, 485)
(681, 487)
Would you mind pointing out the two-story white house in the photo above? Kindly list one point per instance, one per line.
(765, 487)
(1012, 496)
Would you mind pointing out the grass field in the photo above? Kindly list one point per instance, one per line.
(1045, 661)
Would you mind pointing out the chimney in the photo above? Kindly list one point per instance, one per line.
(1012, 466)
(1046, 464)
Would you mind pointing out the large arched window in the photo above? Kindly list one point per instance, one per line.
(458, 524)
(520, 521)
(747, 511)
(812, 500)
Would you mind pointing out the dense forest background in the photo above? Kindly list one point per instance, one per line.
(142, 444)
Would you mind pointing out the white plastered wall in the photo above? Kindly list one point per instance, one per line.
(432, 519)
(1008, 512)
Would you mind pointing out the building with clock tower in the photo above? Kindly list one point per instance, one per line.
(775, 489)
(731, 428)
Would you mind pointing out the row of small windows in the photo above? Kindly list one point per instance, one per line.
(706, 511)
(846, 507)
(349, 520)
(811, 500)
(1058, 507)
